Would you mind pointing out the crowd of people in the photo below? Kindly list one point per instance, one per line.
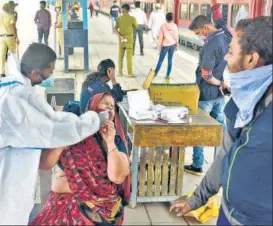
(87, 144)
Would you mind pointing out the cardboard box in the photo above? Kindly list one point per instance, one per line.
(186, 95)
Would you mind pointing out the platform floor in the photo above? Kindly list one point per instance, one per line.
(103, 44)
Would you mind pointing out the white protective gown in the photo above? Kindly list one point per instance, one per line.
(28, 124)
(157, 19)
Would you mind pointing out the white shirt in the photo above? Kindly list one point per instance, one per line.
(140, 16)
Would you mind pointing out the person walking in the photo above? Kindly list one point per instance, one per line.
(157, 19)
(141, 19)
(124, 29)
(43, 21)
(91, 8)
(168, 42)
(114, 14)
(210, 72)
(8, 37)
(243, 167)
(97, 7)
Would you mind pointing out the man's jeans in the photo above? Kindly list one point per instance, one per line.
(43, 33)
(114, 19)
(139, 31)
(164, 50)
(216, 110)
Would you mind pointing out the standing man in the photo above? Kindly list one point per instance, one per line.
(43, 21)
(124, 29)
(114, 14)
(209, 74)
(157, 19)
(141, 19)
(13, 12)
(243, 167)
(8, 36)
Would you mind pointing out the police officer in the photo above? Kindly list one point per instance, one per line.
(13, 12)
(59, 27)
(8, 36)
(124, 28)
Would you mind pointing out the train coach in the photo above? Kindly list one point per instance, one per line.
(232, 10)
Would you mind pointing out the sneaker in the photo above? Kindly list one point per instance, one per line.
(142, 54)
(192, 170)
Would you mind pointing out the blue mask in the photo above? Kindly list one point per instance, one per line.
(247, 88)
(48, 83)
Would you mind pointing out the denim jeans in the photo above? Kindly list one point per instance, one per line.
(114, 19)
(216, 110)
(164, 50)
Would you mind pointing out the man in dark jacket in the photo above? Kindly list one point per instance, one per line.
(210, 71)
(243, 168)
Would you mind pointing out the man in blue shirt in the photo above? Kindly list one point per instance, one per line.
(209, 74)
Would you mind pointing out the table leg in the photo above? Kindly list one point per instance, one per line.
(216, 151)
(134, 171)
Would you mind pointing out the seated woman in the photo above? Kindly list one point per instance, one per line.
(92, 183)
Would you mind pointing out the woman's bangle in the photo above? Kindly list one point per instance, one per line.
(114, 149)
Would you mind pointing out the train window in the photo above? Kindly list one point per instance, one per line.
(224, 10)
(194, 11)
(168, 6)
(206, 10)
(184, 11)
(238, 12)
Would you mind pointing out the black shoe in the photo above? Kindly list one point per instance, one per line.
(142, 54)
(2, 75)
(192, 170)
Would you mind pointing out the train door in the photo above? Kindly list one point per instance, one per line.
(267, 7)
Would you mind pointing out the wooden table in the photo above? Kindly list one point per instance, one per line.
(158, 152)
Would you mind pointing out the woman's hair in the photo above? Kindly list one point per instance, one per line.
(105, 65)
(169, 17)
(91, 78)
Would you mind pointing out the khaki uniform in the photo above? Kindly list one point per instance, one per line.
(7, 39)
(60, 33)
(125, 25)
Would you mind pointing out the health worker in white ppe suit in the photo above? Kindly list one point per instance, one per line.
(32, 134)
